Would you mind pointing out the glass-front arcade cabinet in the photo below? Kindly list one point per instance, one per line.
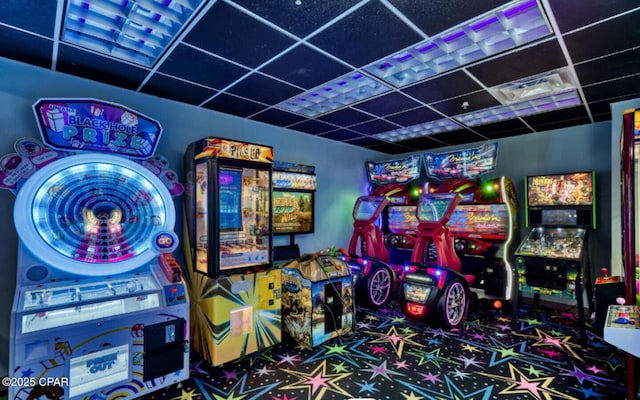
(553, 257)
(235, 292)
(100, 310)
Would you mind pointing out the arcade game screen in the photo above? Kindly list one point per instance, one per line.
(553, 243)
(367, 207)
(402, 219)
(574, 189)
(489, 220)
(292, 212)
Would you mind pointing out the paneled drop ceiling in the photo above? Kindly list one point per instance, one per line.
(390, 75)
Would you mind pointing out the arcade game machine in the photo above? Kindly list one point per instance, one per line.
(294, 187)
(433, 286)
(100, 309)
(234, 290)
(622, 325)
(382, 240)
(552, 259)
(484, 226)
(317, 298)
(484, 223)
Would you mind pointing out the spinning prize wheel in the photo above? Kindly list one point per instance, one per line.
(92, 215)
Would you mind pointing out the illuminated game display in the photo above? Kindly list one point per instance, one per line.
(100, 306)
(235, 292)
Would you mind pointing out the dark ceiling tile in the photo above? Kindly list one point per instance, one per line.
(312, 126)
(529, 61)
(414, 117)
(508, 127)
(390, 148)
(562, 124)
(234, 35)
(199, 67)
(629, 86)
(99, 68)
(298, 17)
(264, 89)
(170, 88)
(234, 105)
(557, 115)
(387, 104)
(573, 14)
(606, 38)
(439, 15)
(443, 87)
(341, 134)
(375, 126)
(602, 117)
(606, 68)
(305, 67)
(277, 117)
(366, 141)
(421, 143)
(31, 15)
(365, 35)
(346, 117)
(25, 47)
(476, 101)
(600, 107)
(460, 136)
(504, 134)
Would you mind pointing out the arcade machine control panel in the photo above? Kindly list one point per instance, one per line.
(622, 327)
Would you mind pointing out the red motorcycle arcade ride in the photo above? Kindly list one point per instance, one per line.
(384, 229)
(433, 286)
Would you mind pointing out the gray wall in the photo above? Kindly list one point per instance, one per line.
(340, 167)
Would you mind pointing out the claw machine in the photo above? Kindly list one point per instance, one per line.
(100, 309)
(235, 291)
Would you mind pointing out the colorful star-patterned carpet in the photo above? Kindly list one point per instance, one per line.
(389, 357)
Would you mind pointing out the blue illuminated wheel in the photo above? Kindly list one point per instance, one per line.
(93, 214)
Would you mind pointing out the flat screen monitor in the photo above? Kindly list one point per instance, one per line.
(293, 212)
(230, 183)
(574, 189)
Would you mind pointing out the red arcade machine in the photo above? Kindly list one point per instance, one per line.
(484, 223)
(384, 229)
(434, 287)
(484, 226)
(100, 309)
(622, 325)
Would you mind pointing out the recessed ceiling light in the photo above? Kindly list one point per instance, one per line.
(340, 92)
(513, 25)
(545, 84)
(134, 30)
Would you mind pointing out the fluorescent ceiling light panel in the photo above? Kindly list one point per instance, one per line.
(513, 25)
(545, 84)
(419, 130)
(134, 30)
(339, 93)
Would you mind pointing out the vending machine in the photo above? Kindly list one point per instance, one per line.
(235, 292)
(100, 309)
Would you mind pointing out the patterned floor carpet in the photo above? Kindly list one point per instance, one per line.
(389, 357)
